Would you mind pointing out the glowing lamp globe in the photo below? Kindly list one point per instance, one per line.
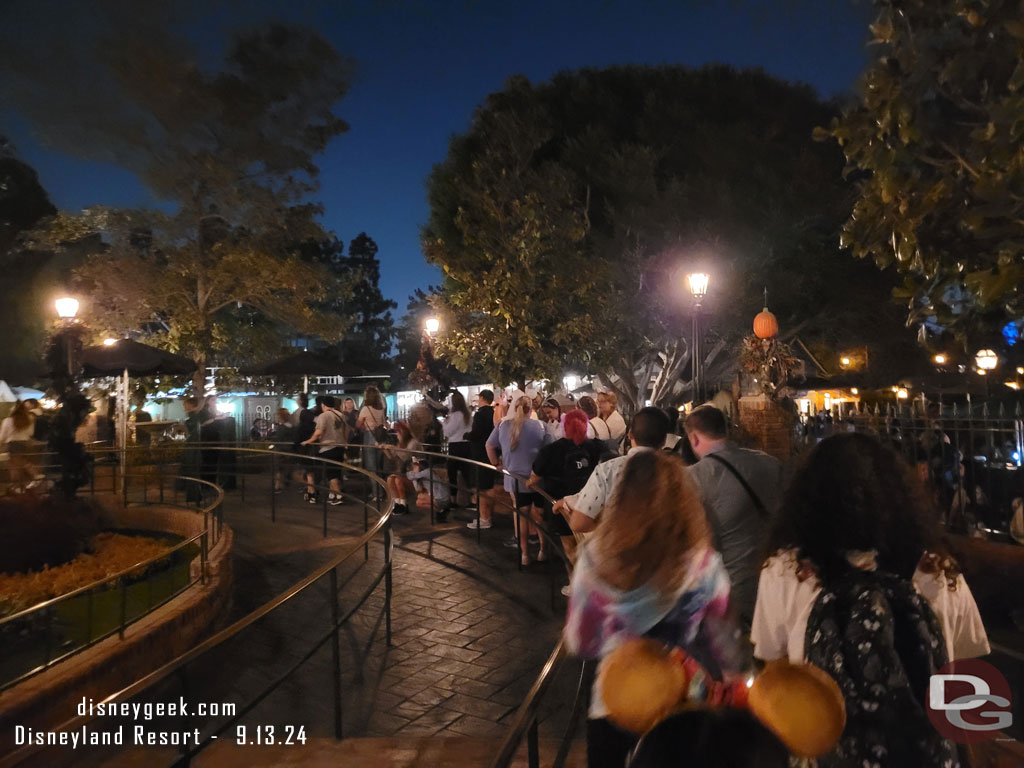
(432, 325)
(765, 325)
(986, 359)
(67, 308)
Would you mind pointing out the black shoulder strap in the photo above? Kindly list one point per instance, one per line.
(758, 504)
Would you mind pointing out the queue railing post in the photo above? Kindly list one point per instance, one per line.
(430, 485)
(273, 488)
(479, 493)
(335, 653)
(203, 554)
(124, 606)
(323, 490)
(532, 746)
(387, 581)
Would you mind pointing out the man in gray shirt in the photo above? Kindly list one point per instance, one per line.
(739, 524)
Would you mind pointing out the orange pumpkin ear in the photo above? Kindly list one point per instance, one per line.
(801, 704)
(641, 683)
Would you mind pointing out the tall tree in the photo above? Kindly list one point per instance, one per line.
(567, 217)
(28, 278)
(232, 151)
(937, 147)
(369, 342)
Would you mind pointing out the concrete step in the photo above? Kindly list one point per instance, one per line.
(391, 752)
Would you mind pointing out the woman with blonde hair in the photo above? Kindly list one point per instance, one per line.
(649, 570)
(519, 440)
(15, 433)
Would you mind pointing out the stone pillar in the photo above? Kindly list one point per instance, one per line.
(769, 424)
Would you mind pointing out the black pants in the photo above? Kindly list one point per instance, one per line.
(460, 450)
(608, 746)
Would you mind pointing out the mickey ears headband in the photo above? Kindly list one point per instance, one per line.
(642, 682)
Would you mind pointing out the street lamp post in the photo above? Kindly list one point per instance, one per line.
(697, 282)
(67, 308)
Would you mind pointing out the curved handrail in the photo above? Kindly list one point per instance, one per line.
(218, 499)
(177, 664)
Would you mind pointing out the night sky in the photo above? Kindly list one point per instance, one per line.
(423, 67)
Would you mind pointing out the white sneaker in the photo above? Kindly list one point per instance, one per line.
(484, 524)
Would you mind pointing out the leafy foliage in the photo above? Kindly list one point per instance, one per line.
(567, 217)
(936, 146)
(233, 151)
(28, 277)
(770, 361)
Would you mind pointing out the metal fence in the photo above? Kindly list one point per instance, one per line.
(39, 636)
(969, 455)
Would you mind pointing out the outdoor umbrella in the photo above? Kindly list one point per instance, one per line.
(125, 358)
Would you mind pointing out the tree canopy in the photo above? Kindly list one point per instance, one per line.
(233, 152)
(28, 277)
(566, 218)
(936, 147)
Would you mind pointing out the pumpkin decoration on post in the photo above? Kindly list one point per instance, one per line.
(766, 326)
(763, 355)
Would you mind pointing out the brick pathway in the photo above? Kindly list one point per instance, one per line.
(470, 630)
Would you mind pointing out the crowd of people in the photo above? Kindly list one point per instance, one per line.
(718, 559)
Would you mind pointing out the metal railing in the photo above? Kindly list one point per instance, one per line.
(190, 674)
(970, 453)
(41, 635)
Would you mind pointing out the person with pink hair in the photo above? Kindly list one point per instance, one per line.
(562, 468)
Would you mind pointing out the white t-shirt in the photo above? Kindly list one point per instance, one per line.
(598, 429)
(616, 425)
(784, 605)
(455, 427)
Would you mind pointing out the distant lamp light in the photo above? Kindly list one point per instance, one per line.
(902, 393)
(225, 408)
(981, 371)
(845, 361)
(67, 308)
(1013, 385)
(1020, 371)
(986, 359)
(854, 391)
(570, 382)
(432, 325)
(698, 284)
(109, 342)
(895, 389)
(939, 359)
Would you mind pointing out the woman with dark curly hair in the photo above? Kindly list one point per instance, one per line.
(856, 503)
(860, 584)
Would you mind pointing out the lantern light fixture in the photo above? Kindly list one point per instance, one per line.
(981, 371)
(1013, 385)
(1020, 370)
(940, 359)
(902, 393)
(986, 359)
(432, 325)
(845, 361)
(67, 308)
(854, 391)
(109, 342)
(698, 283)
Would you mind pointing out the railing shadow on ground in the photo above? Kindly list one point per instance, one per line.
(179, 677)
(525, 723)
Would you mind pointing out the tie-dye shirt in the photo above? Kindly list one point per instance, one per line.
(692, 617)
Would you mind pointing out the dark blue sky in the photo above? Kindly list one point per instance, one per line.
(423, 67)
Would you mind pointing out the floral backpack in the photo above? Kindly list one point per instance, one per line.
(881, 642)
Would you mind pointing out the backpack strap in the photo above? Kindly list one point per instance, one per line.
(758, 504)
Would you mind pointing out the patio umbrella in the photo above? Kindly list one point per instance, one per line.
(133, 358)
(125, 358)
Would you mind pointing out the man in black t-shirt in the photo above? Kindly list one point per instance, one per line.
(483, 425)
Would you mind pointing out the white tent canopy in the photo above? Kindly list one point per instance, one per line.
(7, 394)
